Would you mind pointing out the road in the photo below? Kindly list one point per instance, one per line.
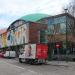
(13, 67)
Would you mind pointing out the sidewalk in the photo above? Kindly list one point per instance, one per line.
(58, 63)
(61, 63)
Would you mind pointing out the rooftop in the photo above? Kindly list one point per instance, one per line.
(63, 14)
(34, 17)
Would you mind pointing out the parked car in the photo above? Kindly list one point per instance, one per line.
(10, 54)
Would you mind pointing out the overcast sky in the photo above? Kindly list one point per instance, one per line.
(10, 10)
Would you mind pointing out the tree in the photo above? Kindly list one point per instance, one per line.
(70, 8)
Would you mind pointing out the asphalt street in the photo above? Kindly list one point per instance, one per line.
(13, 67)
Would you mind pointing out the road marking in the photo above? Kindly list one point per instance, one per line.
(35, 72)
(32, 71)
(14, 65)
(22, 68)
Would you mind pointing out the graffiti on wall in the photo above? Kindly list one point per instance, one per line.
(4, 43)
(0, 41)
(19, 35)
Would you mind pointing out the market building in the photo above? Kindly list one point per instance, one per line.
(57, 31)
(3, 39)
(24, 30)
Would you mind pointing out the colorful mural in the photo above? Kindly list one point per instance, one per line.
(4, 43)
(0, 41)
(16, 36)
(8, 39)
(19, 35)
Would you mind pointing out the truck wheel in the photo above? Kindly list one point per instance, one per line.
(20, 60)
(31, 61)
(36, 61)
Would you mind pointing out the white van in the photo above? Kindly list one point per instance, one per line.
(10, 54)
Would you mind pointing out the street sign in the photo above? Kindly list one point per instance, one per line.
(57, 45)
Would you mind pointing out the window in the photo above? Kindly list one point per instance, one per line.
(60, 19)
(63, 28)
(56, 28)
(50, 21)
(51, 29)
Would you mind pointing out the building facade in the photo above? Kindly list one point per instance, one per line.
(61, 31)
(22, 31)
(55, 31)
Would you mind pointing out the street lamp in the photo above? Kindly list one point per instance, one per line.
(66, 10)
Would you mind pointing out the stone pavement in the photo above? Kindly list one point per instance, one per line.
(61, 63)
(58, 63)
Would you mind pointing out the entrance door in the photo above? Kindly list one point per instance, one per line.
(50, 50)
(55, 52)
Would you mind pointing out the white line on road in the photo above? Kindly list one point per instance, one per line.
(22, 68)
(14, 65)
(33, 71)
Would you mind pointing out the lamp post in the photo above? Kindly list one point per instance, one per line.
(66, 10)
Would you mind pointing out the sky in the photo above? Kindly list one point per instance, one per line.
(11, 10)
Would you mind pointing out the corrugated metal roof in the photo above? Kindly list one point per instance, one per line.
(34, 17)
(3, 30)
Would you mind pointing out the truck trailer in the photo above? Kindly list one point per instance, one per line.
(34, 54)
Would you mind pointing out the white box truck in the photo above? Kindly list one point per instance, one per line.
(34, 54)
